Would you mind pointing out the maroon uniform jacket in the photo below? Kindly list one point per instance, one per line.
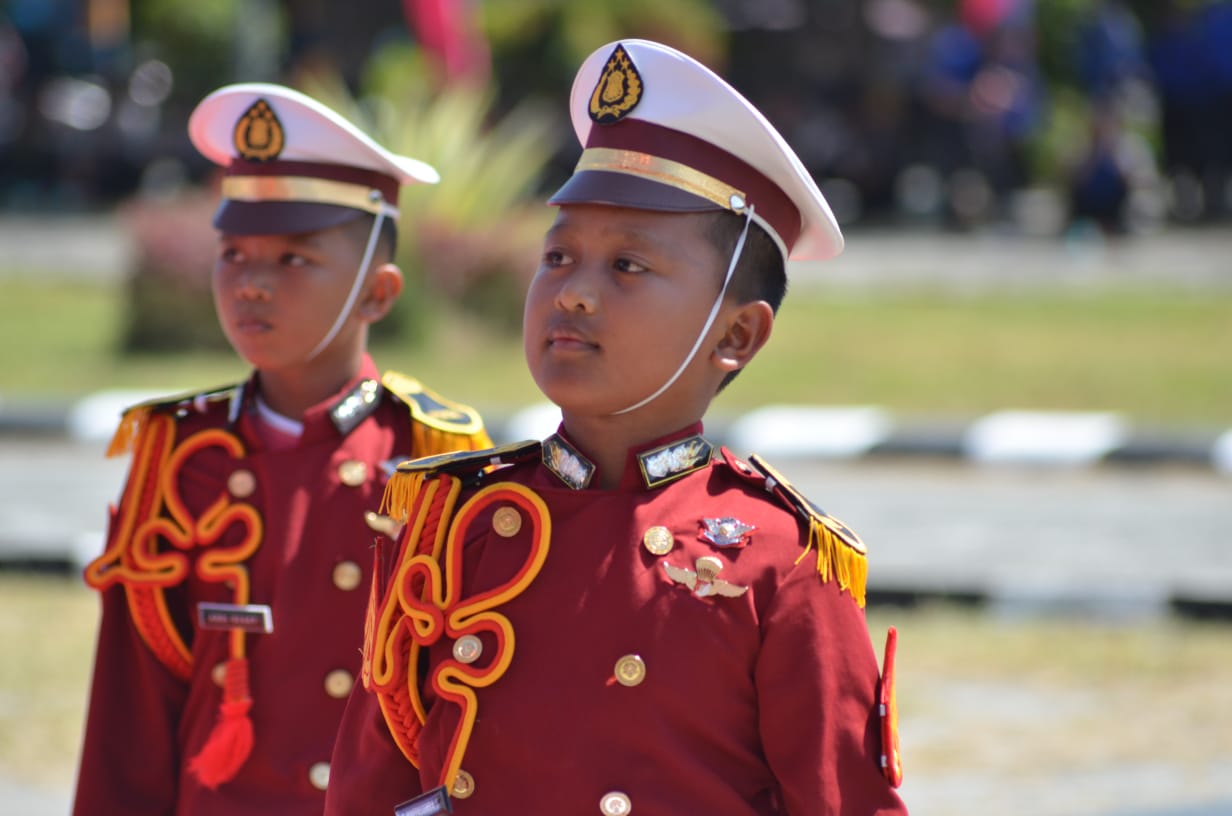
(207, 515)
(667, 647)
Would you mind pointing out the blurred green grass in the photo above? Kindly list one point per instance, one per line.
(1157, 356)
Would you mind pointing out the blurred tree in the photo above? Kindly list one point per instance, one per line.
(537, 45)
(473, 237)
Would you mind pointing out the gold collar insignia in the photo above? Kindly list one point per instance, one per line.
(563, 459)
(356, 406)
(669, 462)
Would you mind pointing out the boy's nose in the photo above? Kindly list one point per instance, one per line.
(577, 293)
(255, 282)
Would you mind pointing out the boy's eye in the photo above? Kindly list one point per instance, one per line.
(292, 259)
(230, 255)
(554, 257)
(628, 265)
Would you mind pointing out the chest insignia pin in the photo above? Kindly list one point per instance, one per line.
(705, 580)
(726, 531)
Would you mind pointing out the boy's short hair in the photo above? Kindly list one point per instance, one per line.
(387, 242)
(760, 273)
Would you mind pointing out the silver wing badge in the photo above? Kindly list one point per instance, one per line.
(704, 581)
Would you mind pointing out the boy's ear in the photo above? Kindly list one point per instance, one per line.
(747, 331)
(382, 291)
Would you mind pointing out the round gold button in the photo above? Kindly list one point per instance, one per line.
(658, 540)
(219, 673)
(318, 775)
(615, 804)
(347, 575)
(241, 483)
(353, 472)
(338, 683)
(467, 649)
(463, 785)
(506, 521)
(630, 670)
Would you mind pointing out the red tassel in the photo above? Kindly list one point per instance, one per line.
(230, 742)
(891, 759)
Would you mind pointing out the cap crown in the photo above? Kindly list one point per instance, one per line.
(294, 165)
(652, 83)
(224, 128)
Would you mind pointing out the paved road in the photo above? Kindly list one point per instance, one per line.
(1118, 539)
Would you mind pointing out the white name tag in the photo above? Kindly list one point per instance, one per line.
(257, 618)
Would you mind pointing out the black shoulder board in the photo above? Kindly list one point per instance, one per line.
(195, 399)
(431, 408)
(797, 501)
(470, 463)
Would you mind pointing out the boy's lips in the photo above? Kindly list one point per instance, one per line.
(252, 325)
(569, 339)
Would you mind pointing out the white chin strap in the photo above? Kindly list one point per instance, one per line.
(714, 311)
(386, 211)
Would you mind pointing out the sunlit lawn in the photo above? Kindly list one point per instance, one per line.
(1159, 357)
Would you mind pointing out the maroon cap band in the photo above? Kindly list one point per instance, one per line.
(769, 201)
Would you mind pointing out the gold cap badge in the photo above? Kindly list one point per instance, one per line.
(258, 133)
(618, 90)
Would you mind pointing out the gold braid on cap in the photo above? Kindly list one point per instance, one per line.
(306, 190)
(664, 171)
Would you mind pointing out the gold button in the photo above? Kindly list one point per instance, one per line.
(353, 472)
(338, 683)
(506, 521)
(615, 804)
(241, 483)
(658, 540)
(347, 575)
(630, 670)
(467, 649)
(463, 785)
(219, 673)
(318, 775)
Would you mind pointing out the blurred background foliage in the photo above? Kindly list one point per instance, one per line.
(1046, 118)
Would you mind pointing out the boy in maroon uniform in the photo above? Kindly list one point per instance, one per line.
(234, 577)
(625, 618)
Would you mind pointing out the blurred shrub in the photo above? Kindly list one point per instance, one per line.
(473, 239)
(170, 306)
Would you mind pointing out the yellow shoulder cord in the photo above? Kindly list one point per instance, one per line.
(422, 604)
(153, 511)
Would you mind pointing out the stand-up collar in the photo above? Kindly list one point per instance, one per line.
(336, 415)
(647, 466)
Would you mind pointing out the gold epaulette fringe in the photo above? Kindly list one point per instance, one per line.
(131, 423)
(400, 493)
(428, 440)
(837, 560)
